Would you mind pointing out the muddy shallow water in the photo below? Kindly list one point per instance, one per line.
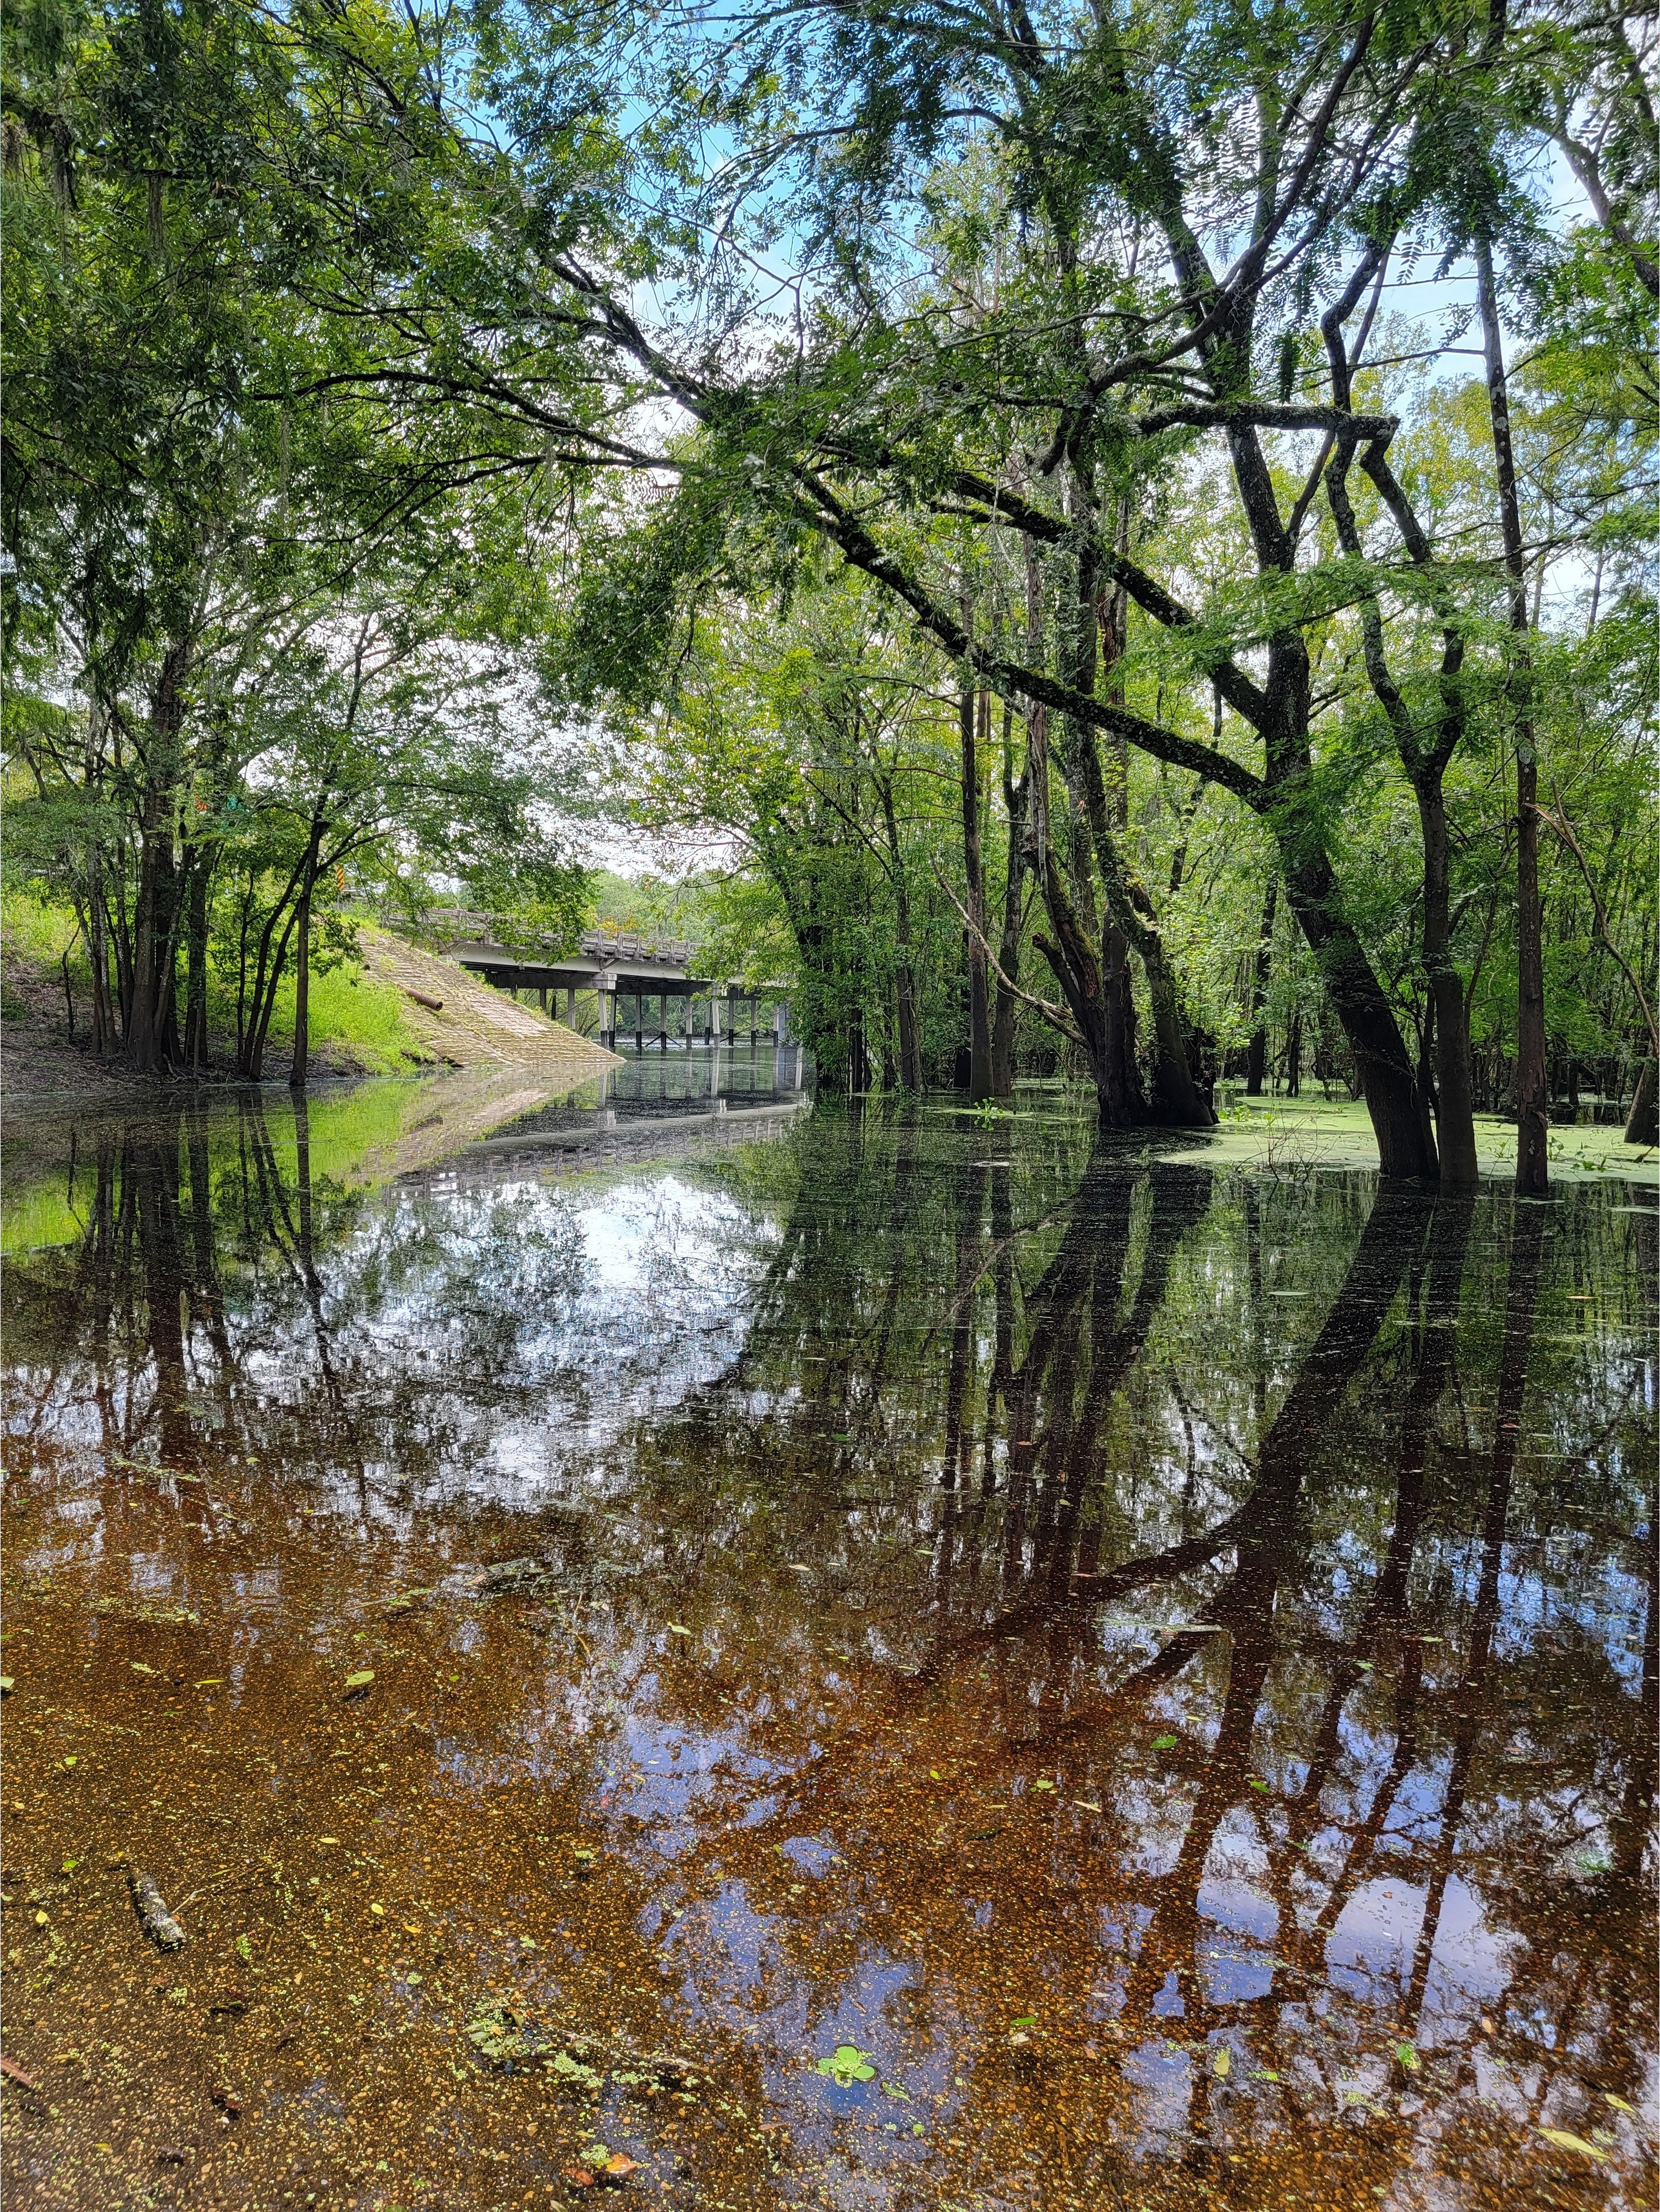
(1010, 1678)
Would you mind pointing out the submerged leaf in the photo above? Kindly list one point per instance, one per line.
(1564, 2141)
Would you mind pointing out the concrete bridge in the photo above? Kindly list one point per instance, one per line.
(630, 977)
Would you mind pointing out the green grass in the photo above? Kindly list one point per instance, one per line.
(1286, 1134)
(353, 1013)
(39, 934)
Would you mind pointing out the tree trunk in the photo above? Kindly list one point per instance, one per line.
(1532, 1096)
(1008, 951)
(858, 1055)
(195, 982)
(1386, 1076)
(103, 1012)
(1098, 1002)
(1129, 915)
(148, 1011)
(1642, 1122)
(143, 1024)
(1455, 1093)
(297, 1072)
(910, 1043)
(972, 723)
(1257, 1052)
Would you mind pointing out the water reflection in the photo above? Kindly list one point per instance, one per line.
(1161, 1662)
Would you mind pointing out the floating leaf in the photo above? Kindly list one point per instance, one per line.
(1042, 1782)
(1164, 1743)
(849, 2064)
(243, 1949)
(619, 2166)
(328, 1839)
(1220, 2065)
(1264, 2074)
(1407, 2058)
(1618, 2103)
(209, 1683)
(1564, 2141)
(362, 1680)
(675, 1629)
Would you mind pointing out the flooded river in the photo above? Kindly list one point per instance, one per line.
(884, 1662)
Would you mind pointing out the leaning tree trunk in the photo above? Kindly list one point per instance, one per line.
(1532, 1090)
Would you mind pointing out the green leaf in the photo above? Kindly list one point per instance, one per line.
(1220, 2065)
(847, 2064)
(1407, 2058)
(1164, 1743)
(362, 1680)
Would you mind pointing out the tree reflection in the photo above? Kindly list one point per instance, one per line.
(1205, 1613)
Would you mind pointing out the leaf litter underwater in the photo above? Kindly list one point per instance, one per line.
(840, 1673)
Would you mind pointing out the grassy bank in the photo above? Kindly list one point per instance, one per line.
(359, 1023)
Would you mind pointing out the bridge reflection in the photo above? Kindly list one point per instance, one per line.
(697, 1090)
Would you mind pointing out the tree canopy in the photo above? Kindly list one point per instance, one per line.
(1131, 530)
